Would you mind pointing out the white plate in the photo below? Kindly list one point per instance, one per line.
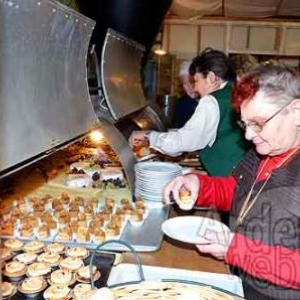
(192, 229)
(157, 167)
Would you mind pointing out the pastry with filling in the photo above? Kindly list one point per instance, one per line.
(43, 232)
(26, 230)
(51, 258)
(139, 203)
(136, 217)
(83, 234)
(84, 274)
(14, 244)
(80, 290)
(186, 202)
(57, 292)
(99, 236)
(71, 263)
(15, 268)
(65, 234)
(26, 258)
(7, 289)
(5, 254)
(7, 228)
(79, 252)
(32, 285)
(112, 230)
(38, 269)
(62, 277)
(34, 247)
(56, 248)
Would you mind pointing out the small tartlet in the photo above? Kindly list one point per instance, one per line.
(56, 248)
(80, 290)
(57, 292)
(38, 269)
(77, 252)
(7, 289)
(26, 258)
(84, 275)
(50, 258)
(15, 269)
(185, 202)
(71, 264)
(34, 247)
(32, 285)
(14, 244)
(6, 254)
(62, 277)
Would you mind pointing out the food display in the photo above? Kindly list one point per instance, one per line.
(70, 278)
(67, 219)
(80, 196)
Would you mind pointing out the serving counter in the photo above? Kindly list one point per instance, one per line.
(175, 254)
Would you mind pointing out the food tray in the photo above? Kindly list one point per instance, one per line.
(145, 238)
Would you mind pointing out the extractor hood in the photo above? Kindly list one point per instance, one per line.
(44, 99)
(121, 74)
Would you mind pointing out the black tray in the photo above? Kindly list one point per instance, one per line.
(104, 263)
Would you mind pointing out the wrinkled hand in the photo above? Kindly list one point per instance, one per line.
(137, 138)
(190, 182)
(219, 244)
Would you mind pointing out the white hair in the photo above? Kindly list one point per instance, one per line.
(184, 68)
(279, 83)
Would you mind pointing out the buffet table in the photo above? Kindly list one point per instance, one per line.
(178, 261)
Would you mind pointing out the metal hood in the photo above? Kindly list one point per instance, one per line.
(44, 99)
(121, 74)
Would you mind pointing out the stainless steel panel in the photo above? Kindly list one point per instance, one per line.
(120, 145)
(44, 98)
(151, 117)
(121, 75)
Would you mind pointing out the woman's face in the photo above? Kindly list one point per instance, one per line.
(274, 136)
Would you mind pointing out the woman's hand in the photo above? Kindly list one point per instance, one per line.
(190, 182)
(218, 244)
(137, 138)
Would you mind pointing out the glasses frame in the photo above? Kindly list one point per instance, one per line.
(261, 126)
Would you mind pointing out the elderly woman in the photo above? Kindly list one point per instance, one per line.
(212, 129)
(263, 191)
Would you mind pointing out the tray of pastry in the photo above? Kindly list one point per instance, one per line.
(84, 221)
(35, 270)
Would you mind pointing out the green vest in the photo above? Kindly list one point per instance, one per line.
(230, 145)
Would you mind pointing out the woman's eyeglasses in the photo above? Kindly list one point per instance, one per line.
(258, 127)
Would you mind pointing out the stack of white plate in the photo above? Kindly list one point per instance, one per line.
(152, 177)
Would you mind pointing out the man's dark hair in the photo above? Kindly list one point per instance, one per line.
(210, 60)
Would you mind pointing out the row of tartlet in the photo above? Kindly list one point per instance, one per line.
(38, 286)
(41, 275)
(82, 227)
